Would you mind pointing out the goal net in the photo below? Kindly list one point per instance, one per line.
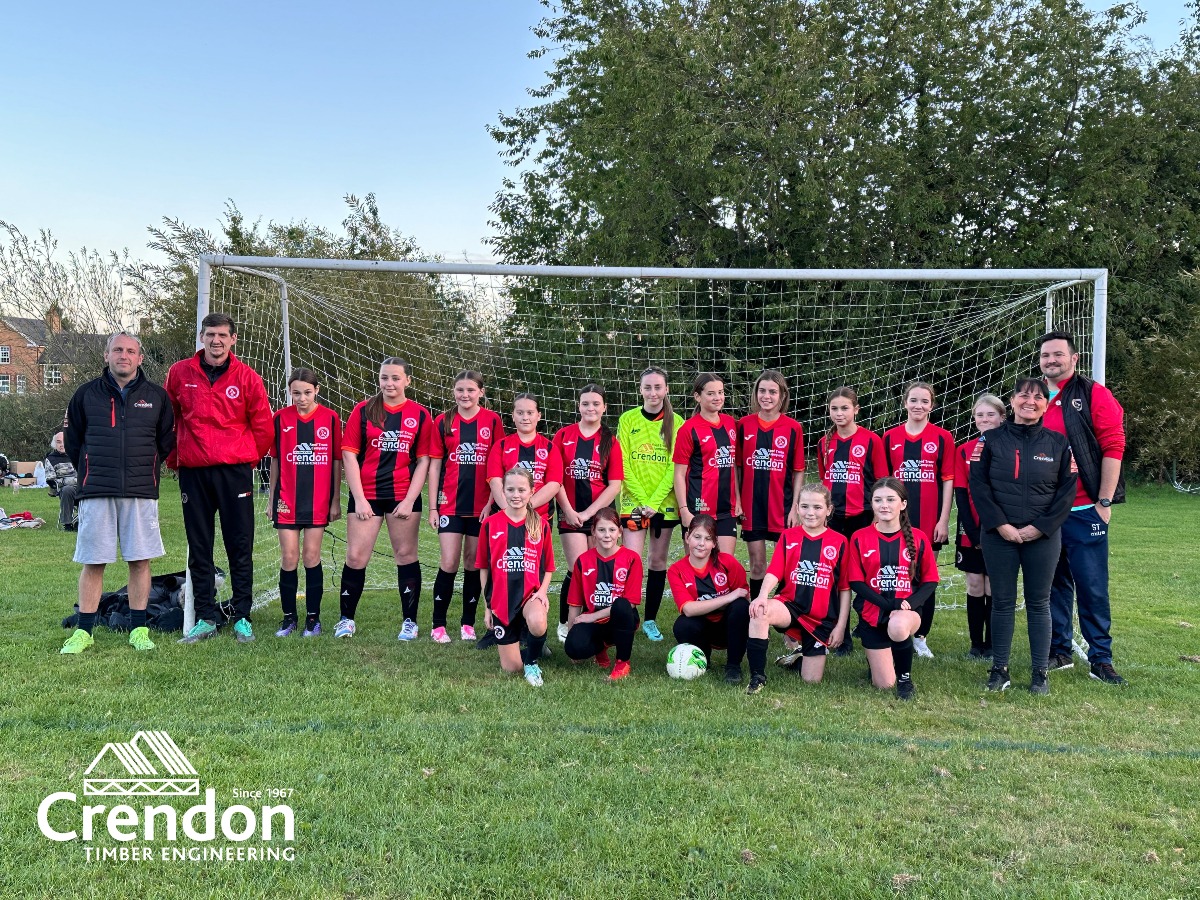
(550, 331)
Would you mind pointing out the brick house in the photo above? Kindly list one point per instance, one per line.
(37, 354)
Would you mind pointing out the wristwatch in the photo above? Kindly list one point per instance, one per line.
(1105, 502)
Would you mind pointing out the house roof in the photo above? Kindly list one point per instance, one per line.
(62, 347)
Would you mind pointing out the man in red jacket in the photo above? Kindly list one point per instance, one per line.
(223, 427)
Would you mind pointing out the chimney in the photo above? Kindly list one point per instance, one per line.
(54, 319)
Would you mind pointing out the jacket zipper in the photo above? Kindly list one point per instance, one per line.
(1017, 467)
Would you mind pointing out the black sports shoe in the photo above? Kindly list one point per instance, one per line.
(791, 658)
(733, 674)
(1106, 673)
(1039, 683)
(998, 679)
(757, 683)
(976, 652)
(905, 689)
(488, 639)
(1060, 661)
(845, 648)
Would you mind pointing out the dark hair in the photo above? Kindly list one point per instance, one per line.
(1057, 336)
(1035, 383)
(448, 415)
(668, 413)
(895, 484)
(709, 524)
(217, 320)
(374, 409)
(527, 395)
(533, 519)
(308, 376)
(775, 376)
(606, 514)
(703, 380)
(844, 391)
(606, 435)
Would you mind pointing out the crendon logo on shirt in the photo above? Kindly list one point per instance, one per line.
(858, 451)
(930, 447)
(517, 559)
(830, 553)
(722, 458)
(306, 454)
(781, 441)
(1042, 457)
(143, 404)
(811, 574)
(391, 442)
(233, 392)
(891, 578)
(468, 454)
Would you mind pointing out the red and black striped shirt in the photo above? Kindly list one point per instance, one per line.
(710, 453)
(769, 455)
(922, 462)
(515, 564)
(849, 467)
(585, 474)
(463, 488)
(596, 582)
(388, 454)
(811, 571)
(538, 457)
(722, 575)
(882, 562)
(307, 450)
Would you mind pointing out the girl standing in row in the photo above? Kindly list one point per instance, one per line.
(705, 458)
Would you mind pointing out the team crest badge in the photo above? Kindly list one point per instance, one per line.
(323, 433)
(541, 453)
(498, 631)
(410, 423)
(719, 579)
(930, 447)
(1077, 404)
(830, 553)
(233, 392)
(444, 521)
(781, 442)
(858, 451)
(485, 433)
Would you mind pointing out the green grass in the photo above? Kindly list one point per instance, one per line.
(422, 771)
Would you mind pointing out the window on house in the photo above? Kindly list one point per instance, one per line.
(5, 355)
(21, 384)
(3, 384)
(53, 376)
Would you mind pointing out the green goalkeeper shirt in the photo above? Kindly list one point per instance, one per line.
(649, 472)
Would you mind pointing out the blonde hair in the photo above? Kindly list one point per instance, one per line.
(990, 400)
(533, 521)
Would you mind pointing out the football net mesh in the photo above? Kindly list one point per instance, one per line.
(553, 334)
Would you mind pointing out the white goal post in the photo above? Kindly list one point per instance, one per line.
(552, 329)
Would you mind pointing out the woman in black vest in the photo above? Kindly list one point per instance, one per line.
(1022, 483)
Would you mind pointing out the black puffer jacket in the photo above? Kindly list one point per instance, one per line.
(1024, 476)
(118, 443)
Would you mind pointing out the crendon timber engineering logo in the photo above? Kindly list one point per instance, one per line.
(145, 779)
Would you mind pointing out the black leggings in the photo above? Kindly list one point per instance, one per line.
(589, 638)
(1036, 561)
(730, 631)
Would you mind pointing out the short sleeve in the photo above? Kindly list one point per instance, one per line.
(779, 559)
(575, 595)
(684, 441)
(929, 569)
(616, 464)
(948, 457)
(274, 451)
(822, 469)
(495, 461)
(854, 568)
(633, 584)
(336, 427)
(843, 570)
(547, 550)
(483, 551)
(737, 574)
(798, 443)
(961, 469)
(429, 437)
(679, 588)
(352, 434)
(554, 465)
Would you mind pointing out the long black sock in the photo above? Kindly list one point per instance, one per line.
(987, 622)
(902, 657)
(656, 581)
(755, 586)
(87, 621)
(975, 620)
(443, 590)
(408, 580)
(562, 598)
(927, 612)
(352, 588)
(137, 618)
(471, 589)
(314, 590)
(756, 656)
(624, 619)
(531, 653)
(288, 581)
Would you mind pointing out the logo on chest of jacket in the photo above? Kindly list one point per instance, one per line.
(1077, 405)
(143, 404)
(233, 392)
(1042, 457)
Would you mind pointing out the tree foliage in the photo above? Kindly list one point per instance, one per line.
(847, 133)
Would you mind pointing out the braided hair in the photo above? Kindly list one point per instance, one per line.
(910, 542)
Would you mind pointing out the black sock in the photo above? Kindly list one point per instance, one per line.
(755, 586)
(975, 620)
(987, 621)
(531, 653)
(756, 656)
(352, 588)
(408, 581)
(137, 618)
(87, 621)
(656, 581)
(288, 581)
(902, 657)
(624, 619)
(314, 590)
(563, 591)
(443, 590)
(471, 589)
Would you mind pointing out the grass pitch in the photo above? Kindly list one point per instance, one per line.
(420, 770)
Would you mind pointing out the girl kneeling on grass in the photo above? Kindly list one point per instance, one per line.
(710, 589)
(813, 603)
(515, 561)
(606, 585)
(893, 573)
(305, 491)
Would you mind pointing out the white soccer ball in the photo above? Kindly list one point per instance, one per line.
(686, 661)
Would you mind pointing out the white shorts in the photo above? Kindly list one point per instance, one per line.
(105, 522)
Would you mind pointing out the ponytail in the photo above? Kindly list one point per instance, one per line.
(910, 542)
(668, 412)
(703, 380)
(373, 412)
(448, 415)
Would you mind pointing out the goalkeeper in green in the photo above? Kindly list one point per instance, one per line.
(646, 435)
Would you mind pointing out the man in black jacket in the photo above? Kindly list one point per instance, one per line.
(119, 429)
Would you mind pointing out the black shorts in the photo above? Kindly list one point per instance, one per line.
(510, 633)
(847, 525)
(969, 560)
(381, 507)
(760, 535)
(810, 645)
(468, 525)
(655, 526)
(286, 527)
(872, 637)
(727, 527)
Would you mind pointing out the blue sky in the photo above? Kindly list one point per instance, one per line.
(115, 115)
